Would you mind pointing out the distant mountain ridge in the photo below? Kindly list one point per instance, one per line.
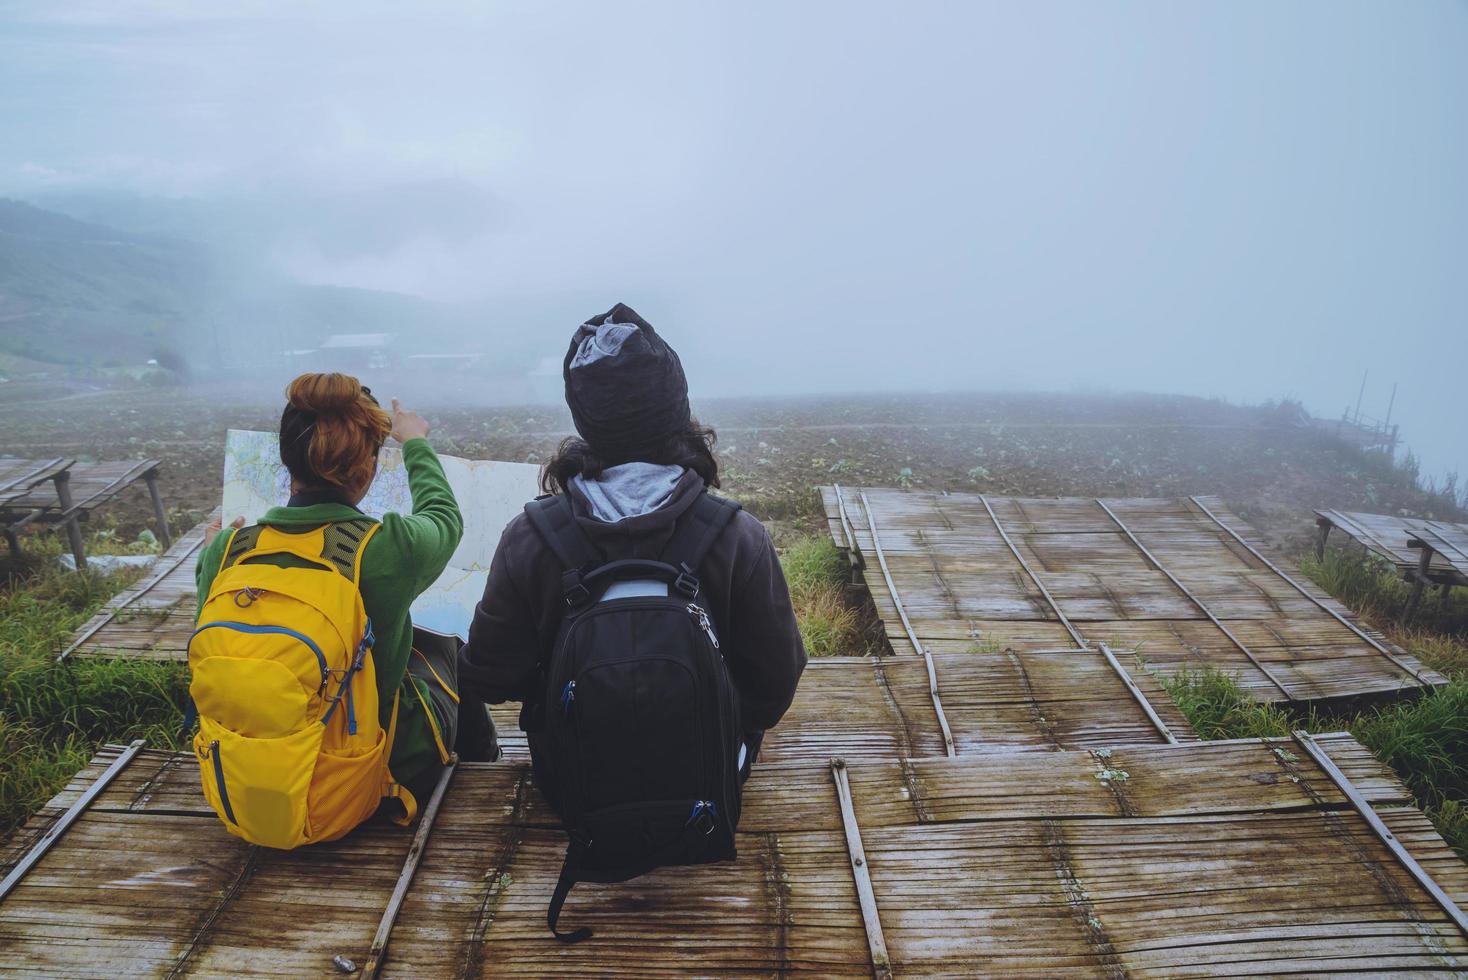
(83, 295)
(72, 292)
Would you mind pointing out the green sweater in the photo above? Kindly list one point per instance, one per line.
(402, 559)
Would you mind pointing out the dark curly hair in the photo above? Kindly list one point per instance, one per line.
(691, 448)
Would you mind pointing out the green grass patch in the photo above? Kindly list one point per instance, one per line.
(811, 561)
(1374, 588)
(1218, 707)
(1425, 740)
(816, 572)
(54, 716)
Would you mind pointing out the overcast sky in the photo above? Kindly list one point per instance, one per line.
(1243, 199)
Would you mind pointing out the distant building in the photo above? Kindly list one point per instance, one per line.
(357, 351)
(442, 363)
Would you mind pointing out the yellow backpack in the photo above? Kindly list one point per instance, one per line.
(289, 745)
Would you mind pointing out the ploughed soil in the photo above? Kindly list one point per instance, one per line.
(1263, 460)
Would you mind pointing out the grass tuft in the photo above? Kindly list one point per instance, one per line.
(812, 561)
(1374, 588)
(1218, 707)
(1425, 740)
(53, 716)
(816, 573)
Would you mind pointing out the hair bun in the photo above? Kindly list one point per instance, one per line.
(324, 394)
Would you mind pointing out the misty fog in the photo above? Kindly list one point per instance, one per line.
(1245, 200)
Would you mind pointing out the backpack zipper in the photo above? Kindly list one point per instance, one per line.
(281, 630)
(219, 781)
(702, 616)
(568, 697)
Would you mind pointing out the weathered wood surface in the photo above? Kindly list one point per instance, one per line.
(1188, 596)
(91, 484)
(19, 476)
(153, 618)
(1448, 544)
(875, 709)
(1381, 534)
(1206, 859)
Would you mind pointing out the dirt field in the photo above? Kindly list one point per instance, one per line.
(773, 451)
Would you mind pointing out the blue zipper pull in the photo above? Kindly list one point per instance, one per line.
(351, 709)
(706, 814)
(568, 696)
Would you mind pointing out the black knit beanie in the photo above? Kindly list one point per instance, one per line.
(624, 385)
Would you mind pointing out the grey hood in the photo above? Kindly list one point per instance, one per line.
(628, 490)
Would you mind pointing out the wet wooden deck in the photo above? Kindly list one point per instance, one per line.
(1382, 534)
(1447, 543)
(1204, 859)
(1014, 795)
(152, 618)
(1180, 581)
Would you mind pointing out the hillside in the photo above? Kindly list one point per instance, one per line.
(84, 296)
(75, 293)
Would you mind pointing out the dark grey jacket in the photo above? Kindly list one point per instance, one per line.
(516, 623)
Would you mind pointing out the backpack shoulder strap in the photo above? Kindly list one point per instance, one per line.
(241, 540)
(342, 544)
(555, 521)
(697, 530)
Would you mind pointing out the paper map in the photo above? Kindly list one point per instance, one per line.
(489, 492)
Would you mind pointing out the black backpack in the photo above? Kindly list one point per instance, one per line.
(636, 742)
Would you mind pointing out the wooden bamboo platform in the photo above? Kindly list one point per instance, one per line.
(1425, 552)
(76, 490)
(152, 619)
(1181, 582)
(881, 709)
(1202, 860)
(1381, 534)
(1008, 794)
(1447, 543)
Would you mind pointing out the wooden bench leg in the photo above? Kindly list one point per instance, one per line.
(73, 527)
(1323, 533)
(158, 512)
(13, 540)
(1413, 600)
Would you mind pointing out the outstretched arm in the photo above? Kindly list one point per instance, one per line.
(430, 534)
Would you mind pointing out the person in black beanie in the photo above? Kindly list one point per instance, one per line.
(639, 462)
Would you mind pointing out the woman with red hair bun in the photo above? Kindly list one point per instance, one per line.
(331, 433)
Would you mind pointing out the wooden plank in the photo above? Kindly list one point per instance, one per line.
(848, 534)
(91, 485)
(18, 476)
(177, 561)
(917, 646)
(1075, 634)
(53, 833)
(870, 916)
(1382, 534)
(1369, 814)
(1196, 601)
(378, 951)
(1380, 647)
(1137, 695)
(1448, 542)
(1071, 568)
(1208, 858)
